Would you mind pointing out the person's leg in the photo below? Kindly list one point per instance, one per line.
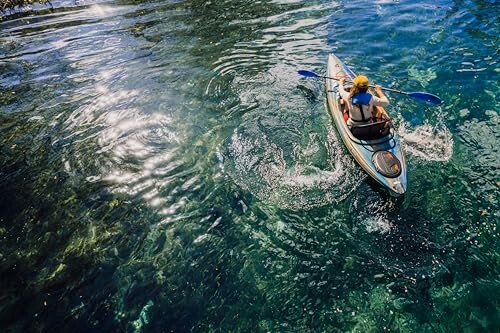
(379, 113)
(343, 108)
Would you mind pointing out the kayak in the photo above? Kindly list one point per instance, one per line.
(375, 146)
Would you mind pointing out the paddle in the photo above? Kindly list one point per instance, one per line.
(423, 96)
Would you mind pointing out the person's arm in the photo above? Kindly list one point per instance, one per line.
(380, 99)
(343, 93)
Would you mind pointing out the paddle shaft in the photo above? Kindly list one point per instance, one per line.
(424, 96)
(371, 86)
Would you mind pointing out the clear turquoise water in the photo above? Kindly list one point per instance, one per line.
(163, 168)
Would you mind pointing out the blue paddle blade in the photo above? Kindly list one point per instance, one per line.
(426, 97)
(307, 73)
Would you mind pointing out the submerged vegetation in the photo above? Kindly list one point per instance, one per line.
(164, 168)
(10, 5)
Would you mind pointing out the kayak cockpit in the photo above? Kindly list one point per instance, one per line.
(372, 131)
(369, 131)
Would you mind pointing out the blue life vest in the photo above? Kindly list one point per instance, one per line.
(359, 100)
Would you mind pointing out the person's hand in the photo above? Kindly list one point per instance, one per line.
(342, 80)
(378, 88)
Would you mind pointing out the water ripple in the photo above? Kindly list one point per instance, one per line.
(259, 166)
(164, 168)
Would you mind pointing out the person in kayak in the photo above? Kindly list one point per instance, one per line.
(362, 106)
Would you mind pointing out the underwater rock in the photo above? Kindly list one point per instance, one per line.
(143, 317)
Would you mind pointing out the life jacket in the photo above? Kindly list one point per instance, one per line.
(359, 100)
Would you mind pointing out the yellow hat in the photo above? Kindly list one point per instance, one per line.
(360, 81)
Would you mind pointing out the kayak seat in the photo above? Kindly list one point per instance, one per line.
(372, 131)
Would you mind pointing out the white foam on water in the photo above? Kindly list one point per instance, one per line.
(427, 142)
(372, 213)
(378, 224)
(259, 166)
